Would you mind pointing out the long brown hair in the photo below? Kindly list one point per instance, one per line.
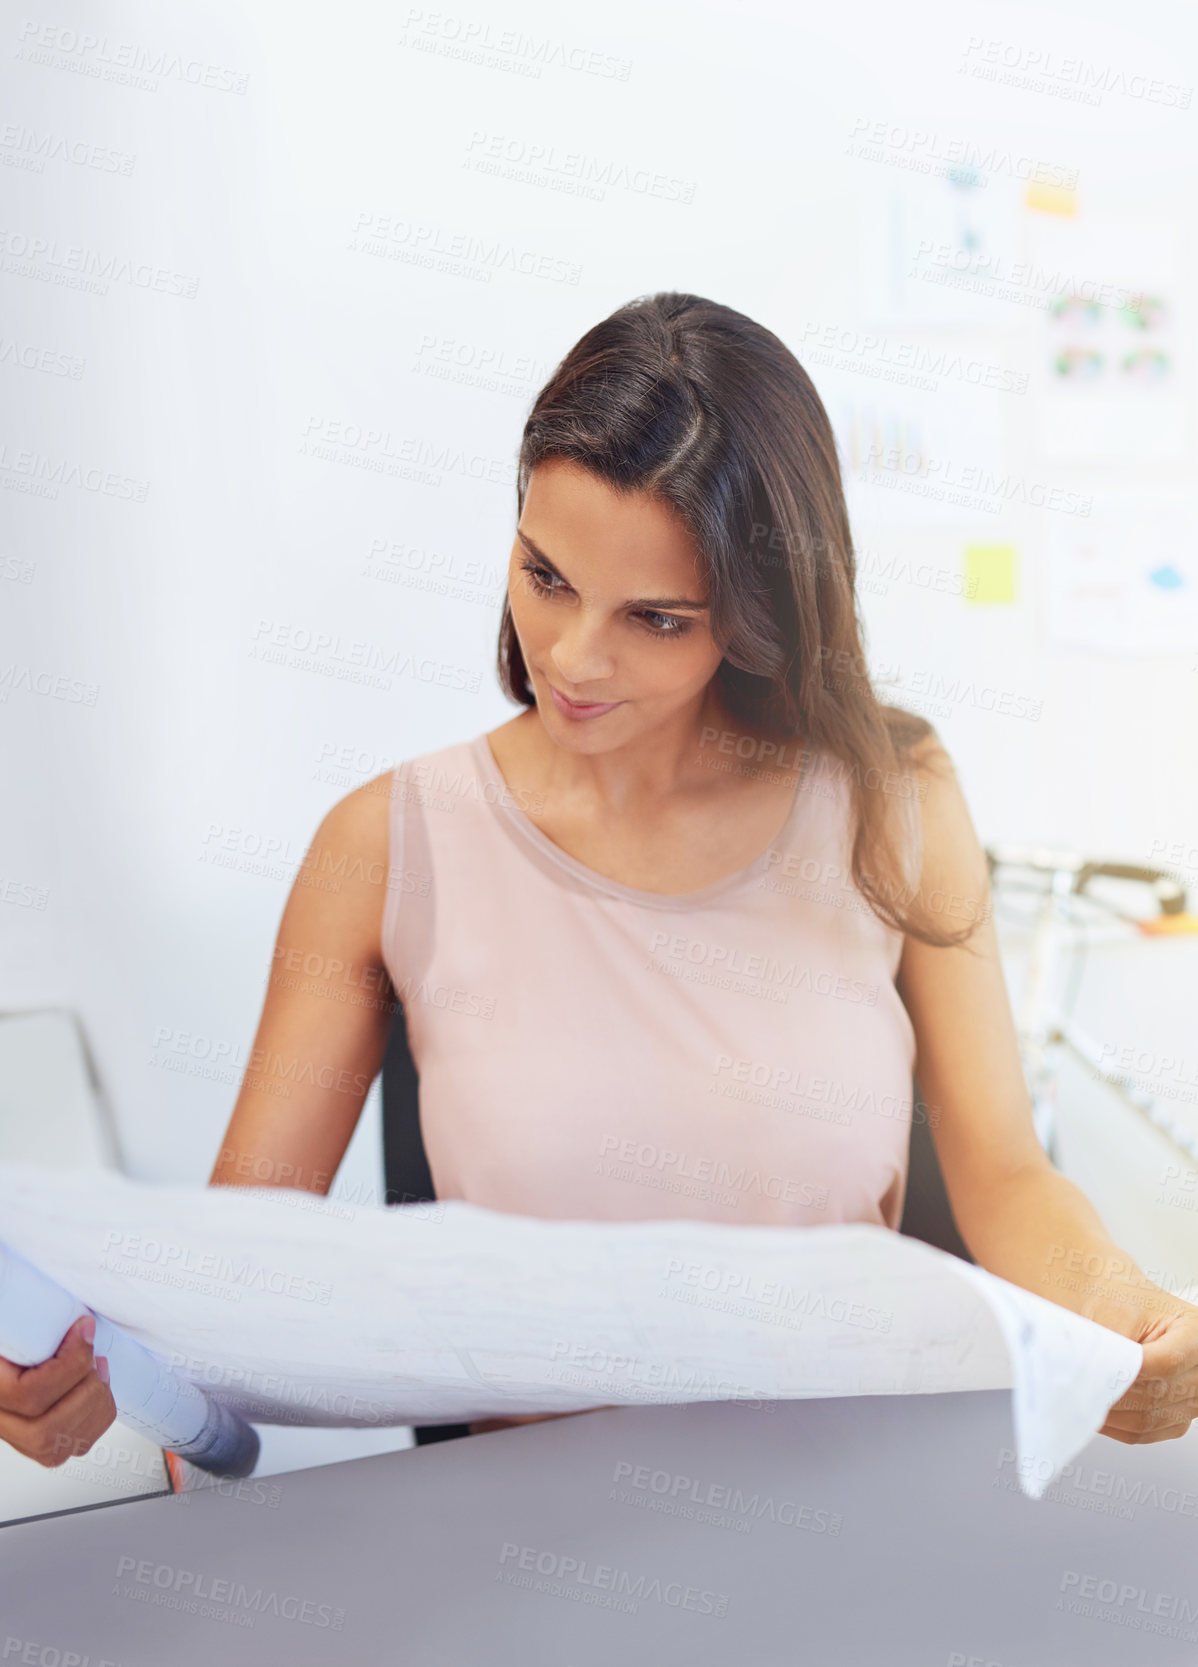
(709, 411)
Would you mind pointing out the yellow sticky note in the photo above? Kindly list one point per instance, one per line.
(990, 572)
(1051, 199)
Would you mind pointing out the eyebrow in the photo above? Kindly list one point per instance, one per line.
(656, 603)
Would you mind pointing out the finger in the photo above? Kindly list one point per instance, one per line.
(1154, 1372)
(11, 1373)
(1153, 1418)
(1169, 1432)
(67, 1430)
(1152, 1414)
(1169, 1361)
(1150, 1390)
(90, 1409)
(31, 1390)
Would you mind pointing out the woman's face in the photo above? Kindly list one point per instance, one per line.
(609, 609)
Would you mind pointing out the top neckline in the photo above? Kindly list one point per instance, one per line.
(504, 804)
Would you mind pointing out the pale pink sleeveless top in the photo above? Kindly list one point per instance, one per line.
(588, 1050)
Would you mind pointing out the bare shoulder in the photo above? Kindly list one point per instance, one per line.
(360, 822)
(339, 894)
(953, 854)
(347, 859)
(930, 758)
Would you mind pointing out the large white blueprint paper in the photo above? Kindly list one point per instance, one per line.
(290, 1308)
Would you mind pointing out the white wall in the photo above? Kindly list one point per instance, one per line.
(260, 199)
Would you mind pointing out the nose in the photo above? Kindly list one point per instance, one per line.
(579, 656)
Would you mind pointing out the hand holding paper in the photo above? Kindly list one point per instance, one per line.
(35, 1315)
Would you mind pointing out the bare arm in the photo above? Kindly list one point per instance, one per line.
(1019, 1216)
(327, 1012)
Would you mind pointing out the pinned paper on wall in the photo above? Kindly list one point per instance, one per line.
(954, 239)
(1113, 366)
(1125, 581)
(990, 573)
(917, 456)
(1051, 199)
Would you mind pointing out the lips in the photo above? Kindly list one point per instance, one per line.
(581, 709)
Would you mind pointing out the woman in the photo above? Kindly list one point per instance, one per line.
(674, 939)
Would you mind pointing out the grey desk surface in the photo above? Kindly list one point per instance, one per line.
(878, 1532)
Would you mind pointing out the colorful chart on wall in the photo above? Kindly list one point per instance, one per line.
(1111, 374)
(954, 246)
(911, 456)
(1125, 579)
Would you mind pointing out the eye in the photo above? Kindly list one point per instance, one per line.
(674, 626)
(539, 577)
